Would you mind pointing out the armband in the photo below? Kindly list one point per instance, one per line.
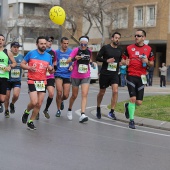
(55, 67)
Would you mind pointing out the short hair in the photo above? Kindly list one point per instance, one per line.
(84, 36)
(2, 36)
(143, 31)
(63, 38)
(116, 33)
(40, 37)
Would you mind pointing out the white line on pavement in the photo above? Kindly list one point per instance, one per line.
(143, 131)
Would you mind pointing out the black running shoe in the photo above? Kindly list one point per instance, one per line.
(46, 114)
(126, 110)
(1, 108)
(12, 108)
(25, 117)
(31, 126)
(98, 114)
(62, 105)
(132, 124)
(7, 114)
(38, 116)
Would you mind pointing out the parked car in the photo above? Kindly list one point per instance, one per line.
(94, 74)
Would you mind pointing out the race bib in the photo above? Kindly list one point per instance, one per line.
(63, 63)
(112, 66)
(15, 73)
(83, 68)
(143, 78)
(2, 68)
(39, 85)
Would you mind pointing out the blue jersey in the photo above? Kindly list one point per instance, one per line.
(62, 67)
(16, 72)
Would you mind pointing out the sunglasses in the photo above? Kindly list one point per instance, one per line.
(50, 40)
(137, 35)
(85, 45)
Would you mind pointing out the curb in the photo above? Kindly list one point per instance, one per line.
(139, 121)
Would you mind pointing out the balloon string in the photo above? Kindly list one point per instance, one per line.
(71, 35)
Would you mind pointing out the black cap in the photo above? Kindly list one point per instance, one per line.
(49, 37)
(16, 44)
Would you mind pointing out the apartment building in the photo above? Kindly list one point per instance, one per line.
(126, 16)
(25, 20)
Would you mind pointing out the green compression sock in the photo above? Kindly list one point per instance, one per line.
(30, 121)
(131, 108)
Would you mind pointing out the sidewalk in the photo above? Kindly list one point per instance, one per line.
(157, 124)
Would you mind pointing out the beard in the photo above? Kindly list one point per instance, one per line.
(115, 43)
(42, 49)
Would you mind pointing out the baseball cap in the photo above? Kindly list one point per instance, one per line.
(16, 44)
(49, 37)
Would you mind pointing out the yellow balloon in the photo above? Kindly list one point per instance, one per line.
(57, 15)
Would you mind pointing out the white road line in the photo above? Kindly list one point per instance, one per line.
(109, 124)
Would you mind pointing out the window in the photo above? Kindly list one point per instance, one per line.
(138, 16)
(120, 18)
(150, 16)
(145, 16)
(10, 11)
(123, 18)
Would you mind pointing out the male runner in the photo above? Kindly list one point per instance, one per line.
(5, 67)
(14, 81)
(39, 61)
(110, 55)
(62, 76)
(50, 78)
(136, 56)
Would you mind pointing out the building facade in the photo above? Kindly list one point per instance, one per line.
(25, 20)
(126, 17)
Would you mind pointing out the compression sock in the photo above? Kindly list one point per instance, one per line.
(30, 121)
(131, 108)
(49, 100)
(27, 112)
(112, 111)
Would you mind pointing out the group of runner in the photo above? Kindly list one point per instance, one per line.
(49, 69)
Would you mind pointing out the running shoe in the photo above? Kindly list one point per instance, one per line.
(38, 116)
(31, 126)
(83, 118)
(98, 114)
(46, 114)
(25, 117)
(112, 115)
(1, 108)
(58, 113)
(132, 124)
(69, 115)
(62, 105)
(12, 108)
(126, 110)
(7, 114)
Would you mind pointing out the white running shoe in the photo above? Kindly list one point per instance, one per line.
(83, 118)
(69, 115)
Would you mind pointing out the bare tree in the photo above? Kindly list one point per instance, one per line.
(94, 13)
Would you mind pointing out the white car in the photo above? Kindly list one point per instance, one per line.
(94, 74)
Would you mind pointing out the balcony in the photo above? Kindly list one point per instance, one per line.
(31, 22)
(56, 2)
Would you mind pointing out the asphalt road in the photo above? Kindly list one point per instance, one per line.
(59, 144)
